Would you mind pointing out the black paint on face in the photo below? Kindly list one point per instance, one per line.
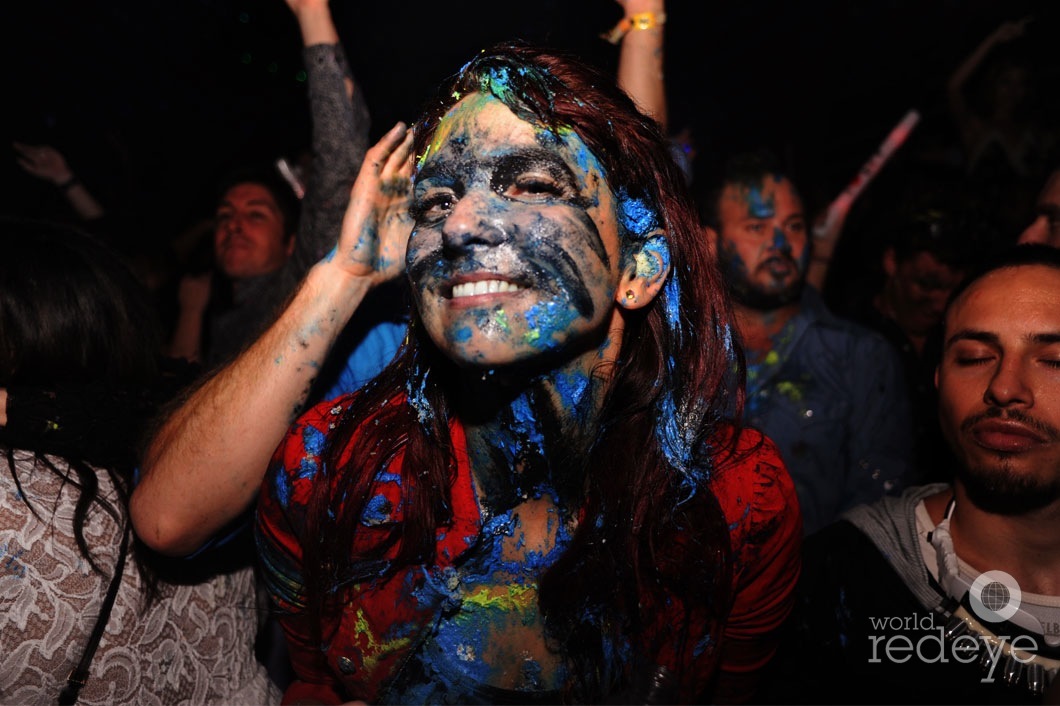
(497, 202)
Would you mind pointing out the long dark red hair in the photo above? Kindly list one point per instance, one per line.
(647, 488)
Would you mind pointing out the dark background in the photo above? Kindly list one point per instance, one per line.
(152, 101)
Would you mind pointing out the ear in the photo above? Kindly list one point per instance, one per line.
(290, 244)
(890, 262)
(936, 377)
(644, 277)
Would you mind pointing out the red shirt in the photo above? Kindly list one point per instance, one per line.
(385, 617)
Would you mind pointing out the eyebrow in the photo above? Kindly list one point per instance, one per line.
(534, 157)
(995, 340)
(516, 159)
(436, 169)
(253, 202)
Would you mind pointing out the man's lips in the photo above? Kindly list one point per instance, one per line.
(779, 265)
(1006, 436)
(235, 242)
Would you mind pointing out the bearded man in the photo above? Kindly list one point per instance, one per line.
(828, 392)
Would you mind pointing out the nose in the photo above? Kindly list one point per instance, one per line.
(780, 241)
(475, 219)
(1008, 386)
(232, 224)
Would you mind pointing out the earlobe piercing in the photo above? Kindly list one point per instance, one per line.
(630, 295)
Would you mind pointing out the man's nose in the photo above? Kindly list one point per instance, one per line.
(233, 224)
(478, 218)
(1008, 386)
(780, 241)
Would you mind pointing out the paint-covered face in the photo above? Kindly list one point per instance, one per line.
(515, 249)
(762, 243)
(999, 386)
(249, 237)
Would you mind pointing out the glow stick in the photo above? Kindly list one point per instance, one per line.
(284, 167)
(838, 209)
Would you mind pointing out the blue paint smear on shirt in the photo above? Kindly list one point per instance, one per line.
(376, 511)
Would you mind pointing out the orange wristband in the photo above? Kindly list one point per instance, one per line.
(641, 20)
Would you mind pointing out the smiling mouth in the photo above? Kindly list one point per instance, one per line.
(485, 286)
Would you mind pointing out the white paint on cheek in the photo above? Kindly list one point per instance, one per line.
(503, 258)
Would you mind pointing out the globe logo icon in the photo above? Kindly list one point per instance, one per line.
(995, 596)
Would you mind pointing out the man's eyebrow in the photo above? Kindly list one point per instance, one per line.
(1045, 338)
(252, 202)
(261, 202)
(973, 335)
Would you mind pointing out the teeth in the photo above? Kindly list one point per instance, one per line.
(486, 286)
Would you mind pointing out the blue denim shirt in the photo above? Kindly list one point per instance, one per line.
(832, 397)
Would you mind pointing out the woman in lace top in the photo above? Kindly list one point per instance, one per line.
(70, 314)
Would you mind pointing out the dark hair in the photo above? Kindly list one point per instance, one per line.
(746, 169)
(647, 498)
(1013, 256)
(72, 314)
(949, 239)
(267, 178)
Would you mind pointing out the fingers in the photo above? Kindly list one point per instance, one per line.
(399, 161)
(395, 179)
(380, 153)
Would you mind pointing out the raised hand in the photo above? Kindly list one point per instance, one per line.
(376, 227)
(44, 162)
(1012, 29)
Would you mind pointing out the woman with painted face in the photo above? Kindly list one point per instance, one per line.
(539, 500)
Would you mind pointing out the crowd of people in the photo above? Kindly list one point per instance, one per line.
(518, 405)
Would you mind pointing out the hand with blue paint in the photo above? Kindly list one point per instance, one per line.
(375, 230)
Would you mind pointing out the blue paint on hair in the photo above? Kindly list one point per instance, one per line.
(672, 302)
(637, 216)
(417, 393)
(701, 646)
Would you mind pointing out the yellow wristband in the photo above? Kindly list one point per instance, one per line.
(641, 20)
